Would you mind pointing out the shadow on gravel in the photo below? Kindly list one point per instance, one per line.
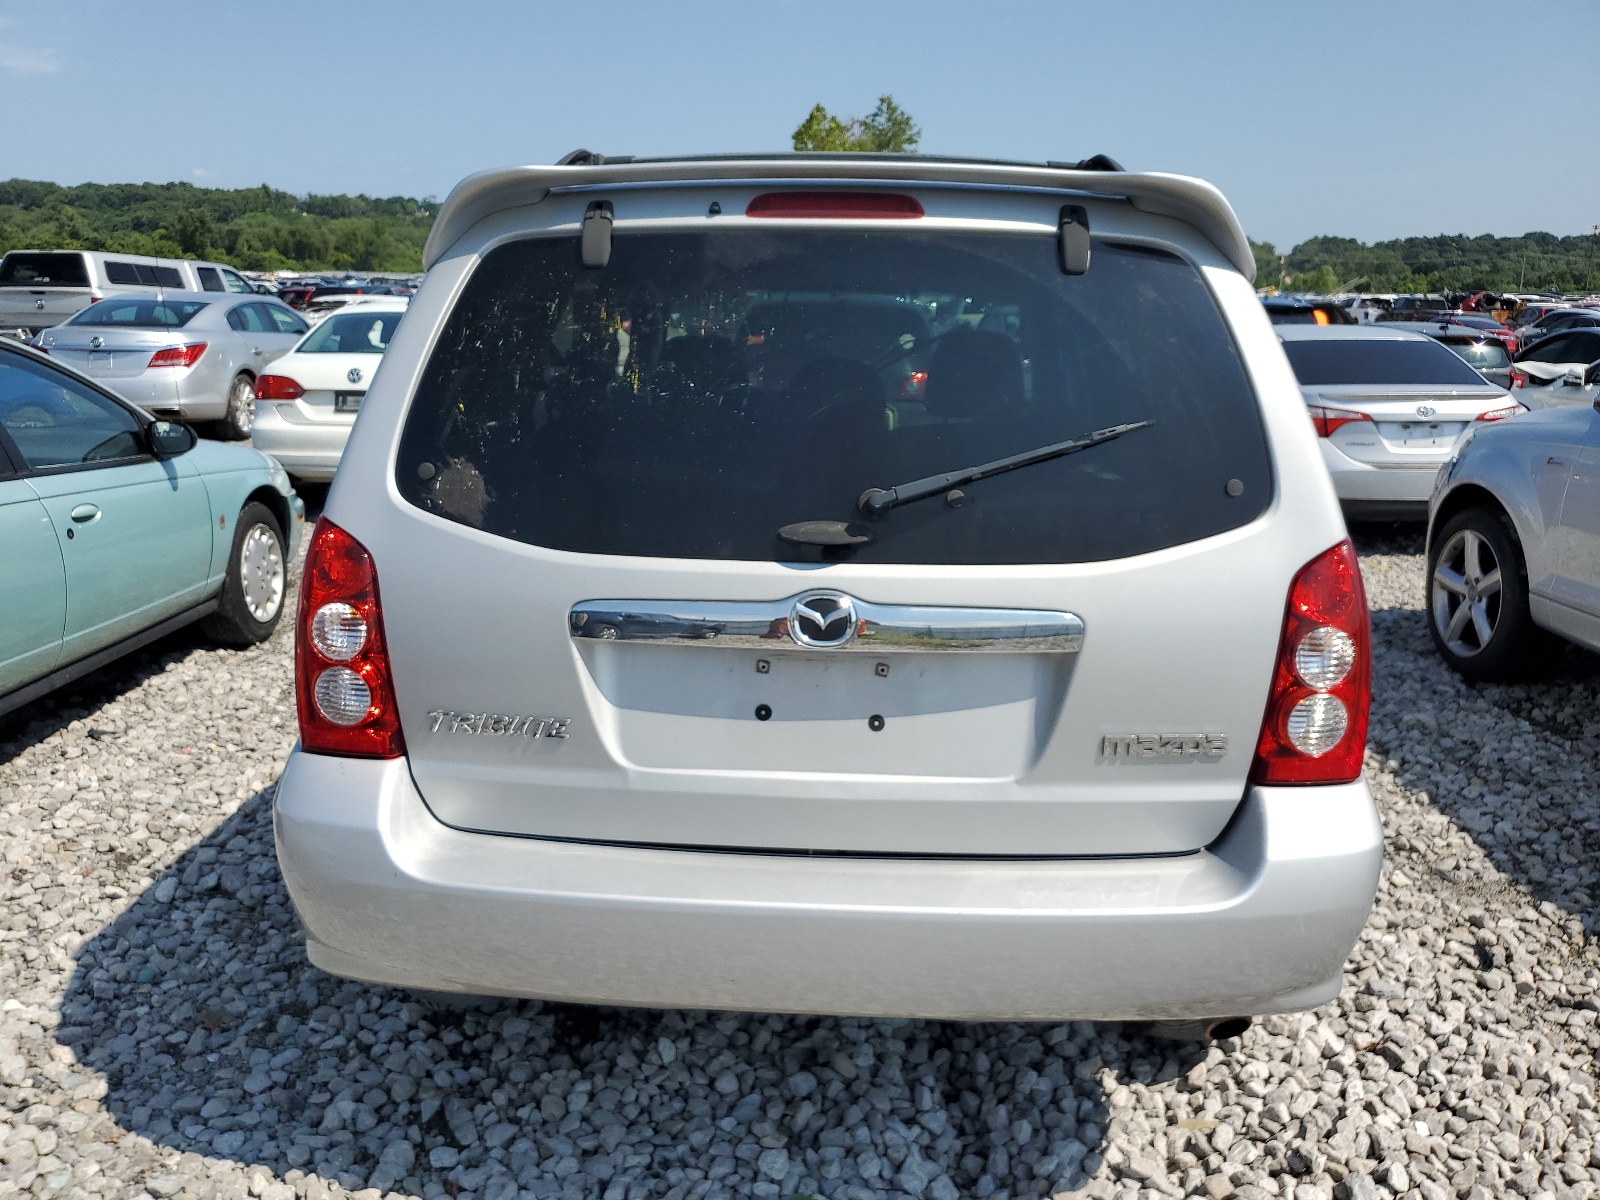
(217, 1037)
(82, 699)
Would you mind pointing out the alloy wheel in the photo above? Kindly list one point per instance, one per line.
(261, 573)
(1465, 594)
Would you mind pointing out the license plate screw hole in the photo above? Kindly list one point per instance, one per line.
(875, 722)
(762, 666)
(881, 670)
(763, 712)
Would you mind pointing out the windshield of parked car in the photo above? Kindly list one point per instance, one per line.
(705, 389)
(1352, 361)
(140, 314)
(61, 268)
(352, 333)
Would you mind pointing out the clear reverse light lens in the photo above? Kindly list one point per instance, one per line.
(1322, 659)
(1315, 725)
(338, 632)
(345, 699)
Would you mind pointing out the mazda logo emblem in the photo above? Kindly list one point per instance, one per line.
(353, 374)
(1426, 410)
(823, 620)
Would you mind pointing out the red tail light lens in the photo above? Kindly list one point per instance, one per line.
(1328, 419)
(1500, 414)
(178, 356)
(1315, 729)
(1518, 379)
(838, 205)
(914, 385)
(278, 387)
(343, 688)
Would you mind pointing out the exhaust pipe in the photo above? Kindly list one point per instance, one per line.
(1204, 1029)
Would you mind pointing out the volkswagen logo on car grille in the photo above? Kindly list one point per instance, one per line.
(823, 620)
(1426, 410)
(353, 374)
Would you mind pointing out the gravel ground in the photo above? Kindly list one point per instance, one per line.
(161, 1034)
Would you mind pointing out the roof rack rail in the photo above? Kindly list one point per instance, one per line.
(588, 158)
(1095, 162)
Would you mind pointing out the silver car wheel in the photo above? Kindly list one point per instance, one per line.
(261, 573)
(242, 407)
(1465, 593)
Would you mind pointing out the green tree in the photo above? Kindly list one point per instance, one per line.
(887, 129)
(194, 233)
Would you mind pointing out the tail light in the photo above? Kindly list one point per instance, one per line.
(344, 690)
(178, 356)
(1319, 317)
(1518, 379)
(1315, 729)
(838, 205)
(1500, 414)
(913, 385)
(278, 387)
(1328, 419)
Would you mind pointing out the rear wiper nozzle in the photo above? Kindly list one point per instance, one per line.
(876, 502)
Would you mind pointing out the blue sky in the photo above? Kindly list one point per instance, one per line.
(1369, 120)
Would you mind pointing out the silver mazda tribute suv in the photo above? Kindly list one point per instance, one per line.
(835, 584)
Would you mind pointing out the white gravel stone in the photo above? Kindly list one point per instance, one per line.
(162, 1035)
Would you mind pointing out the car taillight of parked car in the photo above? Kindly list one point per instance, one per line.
(1315, 729)
(1518, 379)
(1328, 419)
(278, 387)
(178, 356)
(1500, 414)
(914, 385)
(344, 690)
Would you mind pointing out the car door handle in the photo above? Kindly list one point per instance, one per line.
(85, 512)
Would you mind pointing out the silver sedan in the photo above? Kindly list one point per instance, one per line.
(1514, 544)
(191, 355)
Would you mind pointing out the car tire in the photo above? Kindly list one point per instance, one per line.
(241, 413)
(256, 584)
(1477, 600)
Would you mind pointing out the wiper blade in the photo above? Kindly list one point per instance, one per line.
(876, 502)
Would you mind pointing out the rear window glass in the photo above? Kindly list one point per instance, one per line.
(1484, 356)
(146, 314)
(60, 269)
(1352, 361)
(142, 275)
(352, 333)
(706, 389)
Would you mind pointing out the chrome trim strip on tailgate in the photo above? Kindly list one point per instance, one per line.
(830, 621)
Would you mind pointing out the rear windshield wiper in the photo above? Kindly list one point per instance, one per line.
(876, 502)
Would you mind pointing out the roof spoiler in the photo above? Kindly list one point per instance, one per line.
(1192, 201)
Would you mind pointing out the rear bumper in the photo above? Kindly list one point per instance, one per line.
(1259, 922)
(310, 452)
(170, 392)
(1358, 483)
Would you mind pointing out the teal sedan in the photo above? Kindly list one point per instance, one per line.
(116, 529)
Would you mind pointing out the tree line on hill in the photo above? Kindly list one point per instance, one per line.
(1534, 262)
(259, 229)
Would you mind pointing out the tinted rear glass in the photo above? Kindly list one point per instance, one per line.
(140, 314)
(1351, 361)
(352, 333)
(1485, 356)
(705, 389)
(60, 269)
(142, 275)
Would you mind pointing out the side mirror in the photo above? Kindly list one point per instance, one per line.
(169, 439)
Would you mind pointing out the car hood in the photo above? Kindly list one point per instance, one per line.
(216, 458)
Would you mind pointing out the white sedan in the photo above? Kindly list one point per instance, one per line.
(306, 406)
